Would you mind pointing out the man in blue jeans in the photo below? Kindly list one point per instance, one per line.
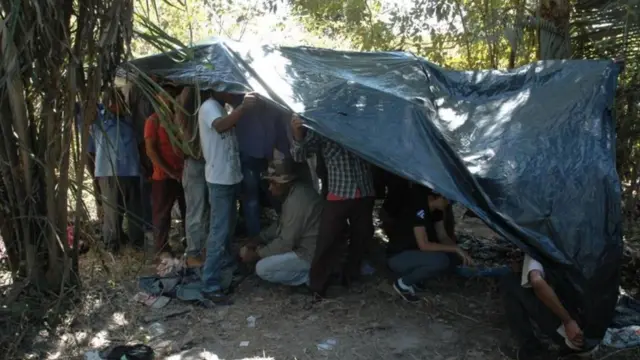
(420, 247)
(193, 178)
(259, 132)
(223, 174)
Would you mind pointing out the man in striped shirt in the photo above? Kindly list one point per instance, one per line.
(350, 197)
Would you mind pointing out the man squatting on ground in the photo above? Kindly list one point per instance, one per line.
(284, 251)
(419, 245)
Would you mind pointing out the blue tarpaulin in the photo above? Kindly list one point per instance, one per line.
(530, 151)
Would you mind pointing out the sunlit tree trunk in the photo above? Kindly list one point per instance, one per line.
(553, 30)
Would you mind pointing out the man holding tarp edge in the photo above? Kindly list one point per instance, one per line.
(350, 197)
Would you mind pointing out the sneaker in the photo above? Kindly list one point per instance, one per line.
(420, 287)
(217, 297)
(407, 292)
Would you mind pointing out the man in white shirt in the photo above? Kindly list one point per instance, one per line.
(530, 298)
(223, 175)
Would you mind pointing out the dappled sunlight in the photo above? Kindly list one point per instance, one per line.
(119, 320)
(100, 339)
(273, 69)
(195, 354)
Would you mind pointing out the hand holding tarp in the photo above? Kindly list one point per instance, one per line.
(250, 100)
(297, 127)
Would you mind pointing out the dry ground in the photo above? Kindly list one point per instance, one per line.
(459, 319)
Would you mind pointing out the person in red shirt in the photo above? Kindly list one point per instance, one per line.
(167, 162)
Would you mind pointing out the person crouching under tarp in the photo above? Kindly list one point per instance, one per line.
(290, 243)
(420, 247)
(529, 298)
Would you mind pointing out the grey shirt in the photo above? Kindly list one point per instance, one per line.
(297, 228)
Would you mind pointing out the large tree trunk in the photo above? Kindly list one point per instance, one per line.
(553, 30)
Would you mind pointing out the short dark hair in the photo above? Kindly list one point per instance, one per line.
(113, 95)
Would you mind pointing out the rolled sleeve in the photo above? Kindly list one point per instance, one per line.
(529, 265)
(301, 149)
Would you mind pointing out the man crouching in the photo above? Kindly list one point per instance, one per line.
(289, 243)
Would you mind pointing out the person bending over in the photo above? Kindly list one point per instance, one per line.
(530, 298)
(420, 247)
(290, 243)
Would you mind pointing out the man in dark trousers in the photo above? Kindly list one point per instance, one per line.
(350, 198)
(167, 161)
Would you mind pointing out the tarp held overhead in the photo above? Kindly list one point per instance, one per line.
(531, 151)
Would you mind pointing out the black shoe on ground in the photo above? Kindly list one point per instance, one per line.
(217, 297)
(408, 295)
(420, 287)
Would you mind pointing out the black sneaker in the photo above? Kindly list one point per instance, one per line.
(217, 297)
(420, 287)
(408, 295)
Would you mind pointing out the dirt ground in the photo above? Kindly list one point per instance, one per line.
(458, 319)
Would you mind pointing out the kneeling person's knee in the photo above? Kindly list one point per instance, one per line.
(262, 269)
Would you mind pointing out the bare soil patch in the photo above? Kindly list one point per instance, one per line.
(458, 319)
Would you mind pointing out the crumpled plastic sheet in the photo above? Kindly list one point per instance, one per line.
(530, 151)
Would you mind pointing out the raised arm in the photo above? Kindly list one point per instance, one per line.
(304, 142)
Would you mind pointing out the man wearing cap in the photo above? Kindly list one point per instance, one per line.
(290, 243)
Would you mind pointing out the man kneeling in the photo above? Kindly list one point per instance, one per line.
(420, 247)
(290, 243)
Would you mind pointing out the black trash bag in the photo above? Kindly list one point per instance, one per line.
(128, 352)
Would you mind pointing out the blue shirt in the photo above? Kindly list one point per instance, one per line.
(91, 143)
(261, 130)
(117, 152)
